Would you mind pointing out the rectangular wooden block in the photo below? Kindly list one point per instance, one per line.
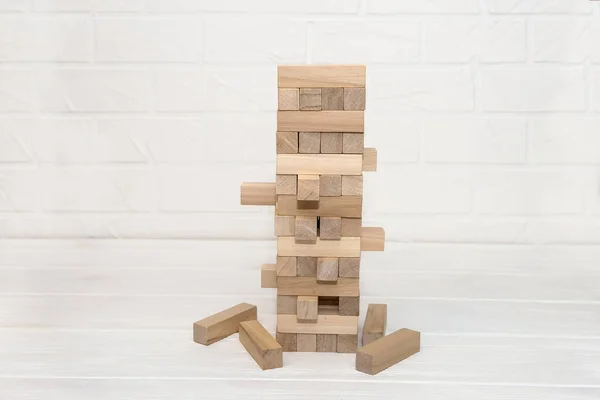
(306, 231)
(326, 324)
(331, 143)
(387, 351)
(308, 188)
(268, 276)
(309, 142)
(370, 159)
(286, 184)
(315, 76)
(288, 99)
(327, 270)
(321, 121)
(288, 341)
(349, 267)
(310, 99)
(345, 247)
(306, 342)
(354, 98)
(263, 347)
(347, 343)
(285, 225)
(286, 266)
(222, 324)
(287, 142)
(287, 304)
(353, 143)
(375, 323)
(372, 239)
(258, 194)
(352, 185)
(349, 305)
(307, 266)
(352, 227)
(332, 98)
(342, 206)
(331, 185)
(308, 286)
(319, 164)
(307, 308)
(327, 343)
(330, 228)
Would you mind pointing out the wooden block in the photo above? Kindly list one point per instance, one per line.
(288, 341)
(331, 186)
(321, 121)
(352, 185)
(372, 239)
(286, 184)
(345, 247)
(370, 159)
(319, 164)
(258, 194)
(341, 206)
(347, 343)
(306, 266)
(330, 228)
(332, 98)
(287, 305)
(306, 342)
(387, 351)
(354, 98)
(375, 323)
(307, 308)
(327, 269)
(326, 324)
(331, 143)
(287, 142)
(349, 305)
(302, 76)
(222, 324)
(310, 99)
(285, 225)
(349, 267)
(308, 188)
(306, 231)
(353, 143)
(309, 142)
(289, 99)
(263, 347)
(308, 286)
(268, 276)
(286, 266)
(352, 227)
(327, 343)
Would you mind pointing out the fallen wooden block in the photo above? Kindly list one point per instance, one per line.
(263, 347)
(268, 276)
(375, 323)
(372, 239)
(222, 324)
(387, 351)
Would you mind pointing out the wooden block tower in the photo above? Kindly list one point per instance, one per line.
(318, 198)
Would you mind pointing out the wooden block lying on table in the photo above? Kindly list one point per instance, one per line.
(308, 188)
(354, 98)
(287, 304)
(285, 225)
(375, 323)
(308, 286)
(352, 227)
(330, 228)
(288, 99)
(319, 164)
(370, 159)
(268, 276)
(349, 305)
(306, 266)
(332, 98)
(331, 185)
(286, 266)
(287, 142)
(352, 185)
(342, 206)
(353, 143)
(258, 194)
(288, 341)
(306, 231)
(310, 99)
(263, 347)
(309, 142)
(387, 351)
(222, 324)
(347, 343)
(327, 269)
(321, 121)
(326, 324)
(306, 342)
(307, 308)
(327, 343)
(331, 143)
(345, 247)
(349, 267)
(372, 239)
(286, 184)
(311, 76)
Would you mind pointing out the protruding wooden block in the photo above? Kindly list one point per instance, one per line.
(352, 185)
(345, 247)
(352, 227)
(308, 286)
(310, 99)
(287, 142)
(307, 308)
(347, 343)
(306, 230)
(331, 228)
(387, 351)
(349, 305)
(321, 121)
(286, 266)
(370, 159)
(372, 239)
(349, 267)
(341, 206)
(258, 194)
(353, 143)
(311, 76)
(326, 343)
(285, 225)
(307, 266)
(308, 188)
(288, 341)
(309, 142)
(331, 186)
(326, 324)
(268, 276)
(263, 347)
(331, 143)
(306, 342)
(327, 269)
(286, 184)
(375, 323)
(332, 98)
(319, 164)
(288, 99)
(222, 324)
(287, 305)
(354, 98)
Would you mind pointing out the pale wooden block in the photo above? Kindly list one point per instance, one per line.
(319, 164)
(331, 143)
(263, 347)
(286, 266)
(308, 188)
(331, 186)
(258, 194)
(308, 286)
(307, 308)
(222, 324)
(349, 305)
(330, 228)
(370, 159)
(306, 231)
(302, 76)
(287, 142)
(309, 142)
(327, 343)
(288, 341)
(375, 323)
(326, 324)
(387, 351)
(349, 267)
(310, 99)
(287, 304)
(352, 185)
(285, 225)
(306, 342)
(347, 343)
(352, 227)
(288, 99)
(372, 239)
(345, 247)
(327, 269)
(286, 184)
(268, 276)
(332, 99)
(354, 98)
(321, 121)
(342, 206)
(307, 266)
(353, 143)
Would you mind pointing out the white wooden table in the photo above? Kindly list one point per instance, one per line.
(112, 319)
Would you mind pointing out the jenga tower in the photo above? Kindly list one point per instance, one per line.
(318, 197)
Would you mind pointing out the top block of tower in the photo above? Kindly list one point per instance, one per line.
(322, 76)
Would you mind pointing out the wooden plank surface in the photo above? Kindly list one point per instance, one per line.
(321, 121)
(319, 164)
(321, 76)
(326, 324)
(341, 206)
(345, 247)
(309, 286)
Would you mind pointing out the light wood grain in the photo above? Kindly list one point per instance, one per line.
(349, 305)
(326, 343)
(326, 324)
(349, 267)
(321, 121)
(309, 142)
(352, 227)
(327, 269)
(372, 239)
(331, 143)
(354, 98)
(220, 325)
(258, 194)
(369, 159)
(353, 143)
(319, 164)
(307, 266)
(287, 304)
(287, 142)
(321, 76)
(342, 206)
(306, 310)
(347, 343)
(331, 185)
(332, 99)
(352, 185)
(307, 342)
(345, 247)
(288, 99)
(308, 286)
(387, 351)
(288, 341)
(285, 225)
(306, 231)
(375, 323)
(330, 228)
(286, 266)
(263, 347)
(286, 184)
(308, 188)
(268, 276)
(310, 99)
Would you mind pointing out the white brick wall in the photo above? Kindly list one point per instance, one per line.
(140, 118)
